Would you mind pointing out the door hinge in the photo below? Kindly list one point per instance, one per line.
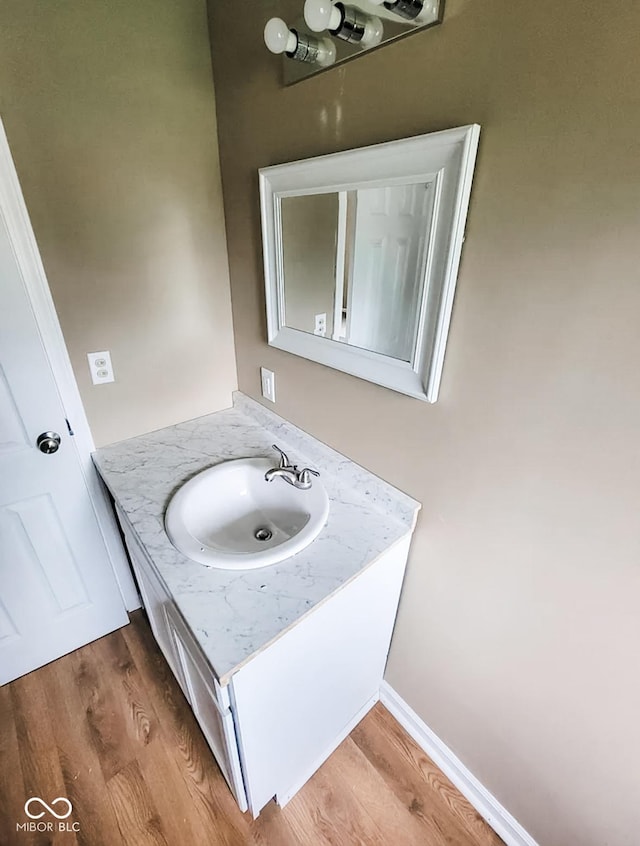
(69, 429)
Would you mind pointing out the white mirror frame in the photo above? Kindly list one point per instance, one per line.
(447, 160)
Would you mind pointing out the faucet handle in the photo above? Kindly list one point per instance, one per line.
(304, 475)
(284, 459)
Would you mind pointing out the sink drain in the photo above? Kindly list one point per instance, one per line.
(263, 534)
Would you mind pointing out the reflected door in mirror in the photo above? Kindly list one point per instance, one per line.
(353, 265)
(388, 268)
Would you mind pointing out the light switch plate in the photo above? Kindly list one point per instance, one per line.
(268, 381)
(100, 367)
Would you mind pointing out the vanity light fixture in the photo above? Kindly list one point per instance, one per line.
(329, 32)
(345, 22)
(279, 38)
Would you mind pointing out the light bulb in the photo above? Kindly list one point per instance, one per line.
(373, 32)
(326, 52)
(429, 12)
(321, 14)
(278, 37)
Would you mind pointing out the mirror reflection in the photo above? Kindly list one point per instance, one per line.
(353, 264)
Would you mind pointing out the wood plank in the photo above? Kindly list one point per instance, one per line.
(413, 777)
(273, 827)
(388, 812)
(170, 795)
(104, 715)
(120, 722)
(162, 778)
(209, 796)
(356, 807)
(84, 783)
(326, 813)
(39, 760)
(140, 722)
(12, 792)
(138, 818)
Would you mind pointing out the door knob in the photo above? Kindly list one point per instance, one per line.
(48, 442)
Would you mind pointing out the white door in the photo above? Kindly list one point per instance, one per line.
(392, 225)
(57, 588)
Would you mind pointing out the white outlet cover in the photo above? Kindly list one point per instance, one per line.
(268, 382)
(100, 367)
(320, 324)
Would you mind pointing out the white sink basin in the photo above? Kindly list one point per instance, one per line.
(230, 517)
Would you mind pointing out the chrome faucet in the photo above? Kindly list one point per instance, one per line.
(290, 473)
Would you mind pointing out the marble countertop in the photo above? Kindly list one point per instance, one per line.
(234, 614)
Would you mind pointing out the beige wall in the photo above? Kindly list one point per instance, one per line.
(309, 234)
(110, 115)
(518, 634)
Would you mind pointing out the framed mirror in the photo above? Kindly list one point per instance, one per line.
(361, 254)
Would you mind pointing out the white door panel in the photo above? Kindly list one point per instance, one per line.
(13, 437)
(57, 588)
(388, 267)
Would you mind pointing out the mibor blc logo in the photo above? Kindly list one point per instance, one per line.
(36, 808)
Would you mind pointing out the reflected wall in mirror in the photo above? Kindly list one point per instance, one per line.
(361, 255)
(354, 264)
(309, 239)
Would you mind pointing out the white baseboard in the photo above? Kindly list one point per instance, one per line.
(500, 820)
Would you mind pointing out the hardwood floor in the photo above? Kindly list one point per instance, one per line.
(108, 727)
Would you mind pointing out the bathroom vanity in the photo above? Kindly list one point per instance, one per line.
(279, 663)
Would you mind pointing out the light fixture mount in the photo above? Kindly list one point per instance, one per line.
(306, 49)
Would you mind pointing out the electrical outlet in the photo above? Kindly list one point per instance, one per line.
(100, 367)
(268, 380)
(321, 324)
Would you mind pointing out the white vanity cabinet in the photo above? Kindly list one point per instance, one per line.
(285, 710)
(297, 700)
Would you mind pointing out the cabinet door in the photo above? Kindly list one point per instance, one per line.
(216, 724)
(155, 600)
